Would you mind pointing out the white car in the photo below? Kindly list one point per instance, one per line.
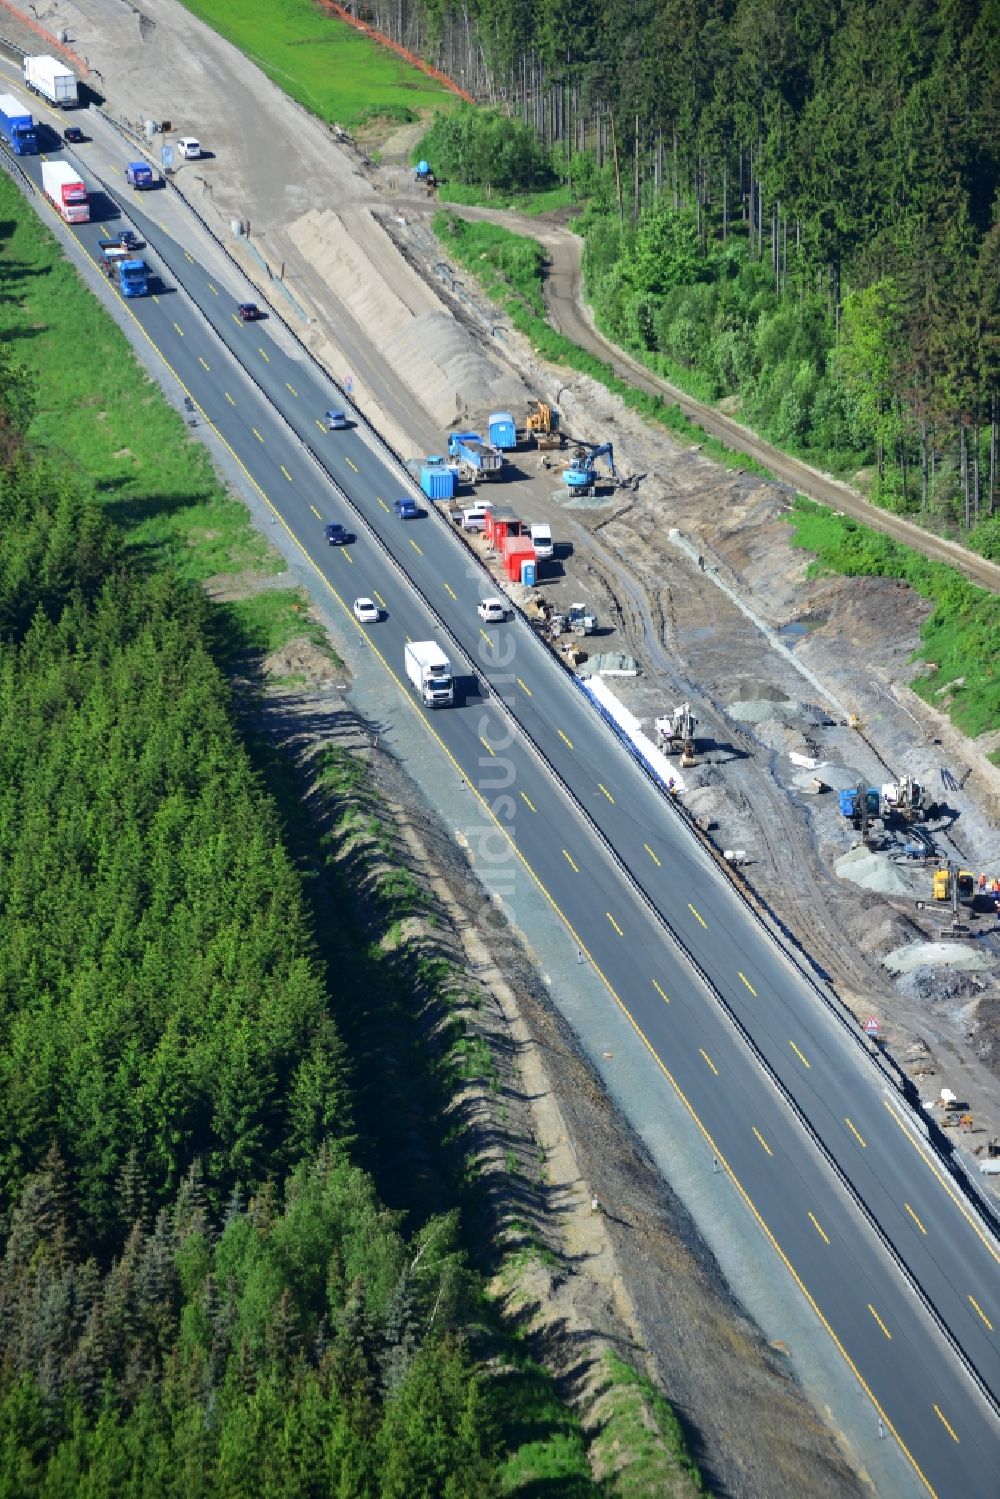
(492, 611)
(541, 540)
(474, 519)
(189, 147)
(366, 612)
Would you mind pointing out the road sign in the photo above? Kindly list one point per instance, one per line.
(167, 158)
(872, 1026)
(348, 383)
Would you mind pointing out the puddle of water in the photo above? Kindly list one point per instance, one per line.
(794, 631)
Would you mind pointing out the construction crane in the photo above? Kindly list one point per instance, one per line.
(580, 476)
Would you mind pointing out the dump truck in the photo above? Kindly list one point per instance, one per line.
(52, 79)
(62, 185)
(476, 459)
(17, 127)
(429, 673)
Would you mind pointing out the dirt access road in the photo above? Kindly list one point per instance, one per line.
(573, 317)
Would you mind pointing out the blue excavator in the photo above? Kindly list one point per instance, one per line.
(581, 475)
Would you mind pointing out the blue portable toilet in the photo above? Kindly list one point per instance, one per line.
(529, 572)
(503, 432)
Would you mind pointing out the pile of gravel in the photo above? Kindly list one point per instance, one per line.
(874, 871)
(935, 955)
(762, 709)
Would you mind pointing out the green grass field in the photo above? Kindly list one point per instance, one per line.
(338, 74)
(100, 415)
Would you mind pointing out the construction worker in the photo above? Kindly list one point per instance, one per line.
(982, 884)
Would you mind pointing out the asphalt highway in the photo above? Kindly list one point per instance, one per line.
(779, 1089)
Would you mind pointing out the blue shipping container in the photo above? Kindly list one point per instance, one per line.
(529, 573)
(503, 433)
(437, 482)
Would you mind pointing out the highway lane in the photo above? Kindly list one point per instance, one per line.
(621, 936)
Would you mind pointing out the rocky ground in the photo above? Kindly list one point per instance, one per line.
(639, 1281)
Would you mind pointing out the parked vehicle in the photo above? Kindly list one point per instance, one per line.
(477, 459)
(189, 148)
(367, 612)
(541, 540)
(406, 508)
(52, 79)
(61, 184)
(17, 127)
(336, 534)
(474, 518)
(249, 312)
(139, 174)
(429, 672)
(493, 611)
(337, 421)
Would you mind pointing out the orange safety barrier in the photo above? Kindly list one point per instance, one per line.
(333, 8)
(67, 52)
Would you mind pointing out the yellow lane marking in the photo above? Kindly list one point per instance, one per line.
(697, 916)
(487, 746)
(860, 1139)
(571, 862)
(979, 1309)
(383, 504)
(528, 802)
(180, 330)
(881, 1324)
(187, 256)
(346, 555)
(353, 464)
(291, 388)
(236, 320)
(451, 591)
(750, 986)
(914, 1217)
(708, 1059)
(944, 1183)
(202, 363)
(815, 1223)
(562, 736)
(652, 856)
(761, 1139)
(263, 354)
(947, 1426)
(524, 687)
(804, 1060)
(413, 544)
(614, 923)
(324, 582)
(379, 599)
(213, 289)
(256, 434)
(606, 792)
(315, 512)
(286, 473)
(230, 399)
(663, 996)
(485, 636)
(319, 424)
(156, 299)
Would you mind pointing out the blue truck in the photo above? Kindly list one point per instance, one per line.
(477, 459)
(139, 174)
(17, 127)
(126, 272)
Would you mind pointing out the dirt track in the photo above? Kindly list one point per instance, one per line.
(572, 317)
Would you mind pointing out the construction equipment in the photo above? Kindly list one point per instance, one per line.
(543, 425)
(580, 621)
(675, 731)
(581, 476)
(424, 177)
(905, 797)
(956, 885)
(861, 804)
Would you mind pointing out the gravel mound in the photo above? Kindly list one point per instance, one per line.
(763, 710)
(873, 871)
(936, 954)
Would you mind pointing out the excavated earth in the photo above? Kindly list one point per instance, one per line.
(344, 251)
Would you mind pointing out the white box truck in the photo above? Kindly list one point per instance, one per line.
(429, 671)
(64, 187)
(52, 79)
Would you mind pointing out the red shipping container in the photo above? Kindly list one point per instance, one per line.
(517, 549)
(500, 523)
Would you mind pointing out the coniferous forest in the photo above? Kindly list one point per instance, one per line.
(793, 203)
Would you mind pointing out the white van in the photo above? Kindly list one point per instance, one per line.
(474, 519)
(189, 148)
(541, 540)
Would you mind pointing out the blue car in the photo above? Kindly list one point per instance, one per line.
(406, 508)
(336, 534)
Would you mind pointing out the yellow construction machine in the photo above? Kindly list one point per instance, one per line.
(543, 425)
(965, 881)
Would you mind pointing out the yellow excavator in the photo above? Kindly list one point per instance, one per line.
(965, 885)
(543, 425)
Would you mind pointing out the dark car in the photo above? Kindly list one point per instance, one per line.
(73, 135)
(249, 312)
(128, 240)
(406, 508)
(336, 534)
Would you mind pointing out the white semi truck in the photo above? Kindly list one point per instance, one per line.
(429, 671)
(52, 79)
(64, 187)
